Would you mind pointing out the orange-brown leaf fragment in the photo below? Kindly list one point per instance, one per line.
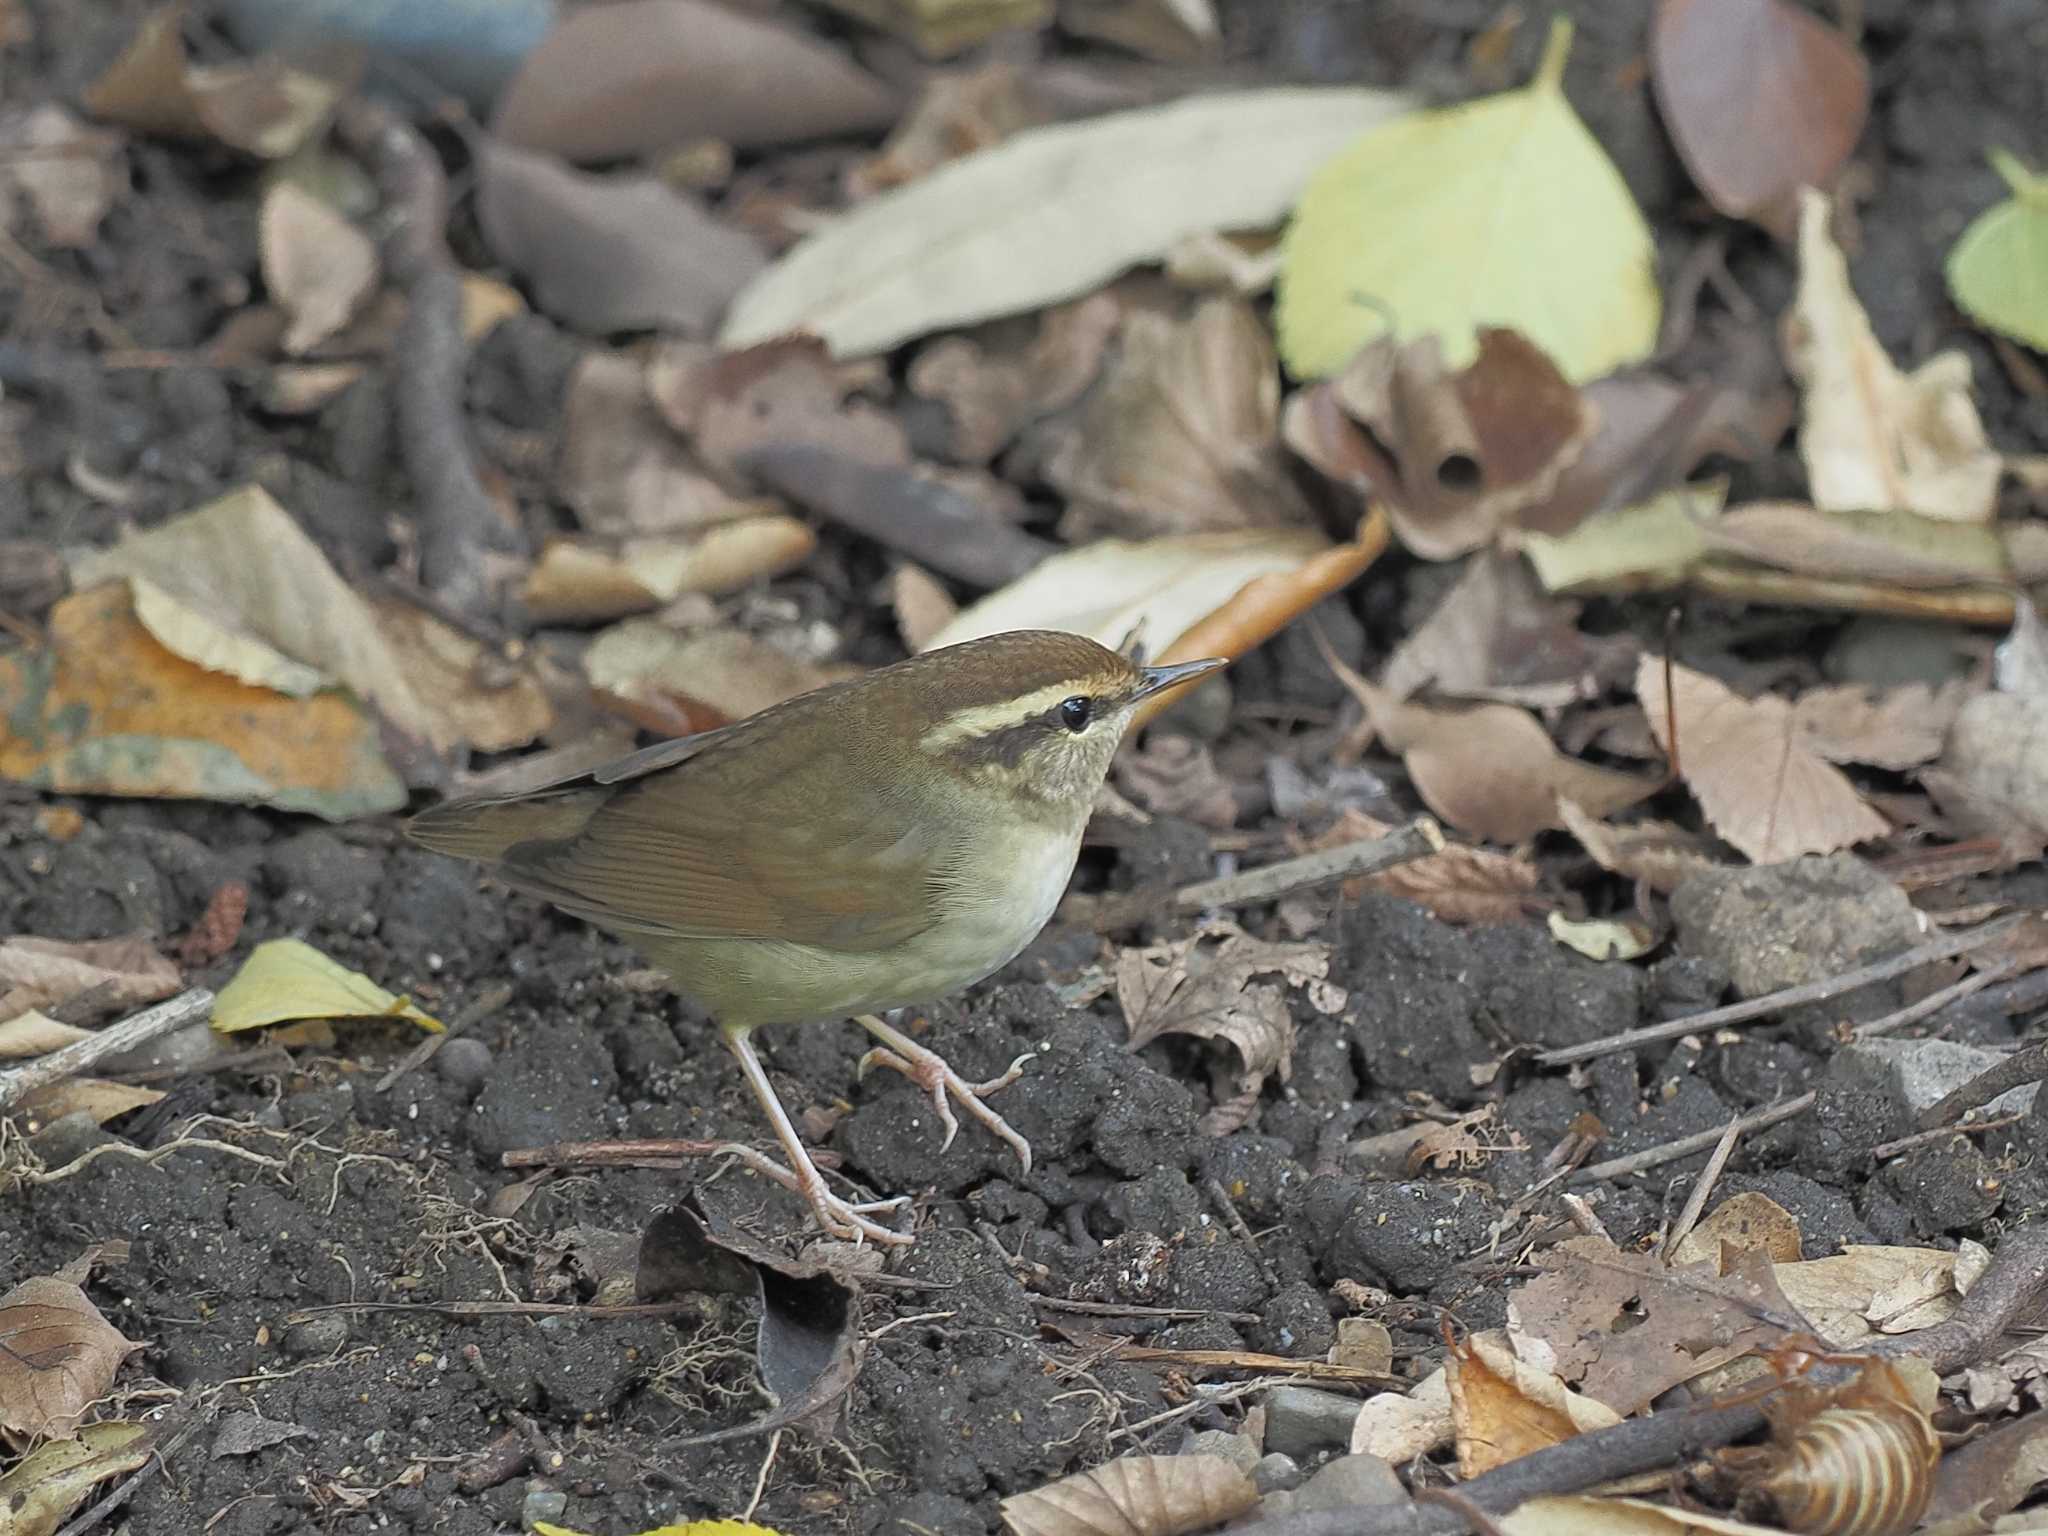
(57, 1357)
(1770, 795)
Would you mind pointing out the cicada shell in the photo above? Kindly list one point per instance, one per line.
(1135, 1496)
(1857, 1460)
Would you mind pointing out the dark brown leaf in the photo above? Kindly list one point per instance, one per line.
(57, 1357)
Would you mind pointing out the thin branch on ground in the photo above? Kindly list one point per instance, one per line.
(1686, 1146)
(1947, 947)
(81, 1055)
(1696, 1202)
(1886, 1149)
(459, 525)
(1418, 840)
(2026, 1065)
(1932, 1003)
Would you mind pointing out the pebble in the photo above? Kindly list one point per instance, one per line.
(1350, 1481)
(543, 1506)
(1300, 1420)
(316, 1336)
(1233, 1448)
(463, 1063)
(1275, 1473)
(1918, 1073)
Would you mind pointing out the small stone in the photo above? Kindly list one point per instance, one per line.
(316, 1336)
(1917, 1073)
(1300, 1420)
(463, 1063)
(65, 1140)
(1350, 1481)
(1276, 1473)
(543, 1506)
(1233, 1448)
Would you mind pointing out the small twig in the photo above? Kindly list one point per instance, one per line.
(489, 1001)
(1932, 1003)
(1420, 839)
(150, 1024)
(1686, 1146)
(1947, 947)
(644, 1152)
(761, 1478)
(1124, 1309)
(1239, 1230)
(459, 525)
(2026, 1065)
(1696, 1202)
(1885, 1149)
(1196, 1404)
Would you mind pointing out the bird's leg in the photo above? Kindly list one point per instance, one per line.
(839, 1218)
(928, 1069)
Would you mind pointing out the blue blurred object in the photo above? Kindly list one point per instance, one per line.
(469, 48)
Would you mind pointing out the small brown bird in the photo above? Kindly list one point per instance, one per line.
(883, 841)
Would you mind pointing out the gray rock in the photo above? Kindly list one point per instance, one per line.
(68, 1138)
(1276, 1473)
(321, 1335)
(1233, 1448)
(1779, 925)
(1349, 1481)
(1300, 1420)
(1918, 1073)
(543, 1506)
(463, 1064)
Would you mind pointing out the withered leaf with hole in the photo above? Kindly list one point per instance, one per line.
(1769, 795)
(57, 1357)
(1454, 456)
(1181, 434)
(1762, 98)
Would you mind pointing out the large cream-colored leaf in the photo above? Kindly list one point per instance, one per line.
(1051, 213)
(1998, 271)
(1503, 211)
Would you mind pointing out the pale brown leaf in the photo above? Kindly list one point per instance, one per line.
(922, 604)
(1899, 729)
(1992, 777)
(57, 1357)
(991, 393)
(100, 1097)
(41, 973)
(1199, 987)
(36, 1034)
(1769, 795)
(1174, 776)
(318, 266)
(1657, 853)
(1462, 884)
(1135, 1496)
(66, 174)
(589, 580)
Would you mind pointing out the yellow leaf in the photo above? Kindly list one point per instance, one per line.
(1630, 549)
(1998, 271)
(53, 1479)
(286, 980)
(1503, 211)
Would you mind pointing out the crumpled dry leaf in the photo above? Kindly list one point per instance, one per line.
(1898, 729)
(286, 980)
(1187, 988)
(698, 681)
(1873, 439)
(1871, 1289)
(316, 264)
(775, 395)
(1174, 776)
(582, 581)
(495, 700)
(1498, 636)
(1182, 433)
(1504, 1408)
(922, 605)
(1659, 854)
(1135, 1496)
(59, 171)
(634, 79)
(240, 573)
(991, 395)
(107, 709)
(58, 1357)
(1896, 548)
(1051, 214)
(120, 973)
(1742, 1222)
(1399, 1426)
(1762, 98)
(1460, 885)
(1604, 938)
(1767, 793)
(40, 1491)
(263, 106)
(33, 1033)
(609, 253)
(1454, 455)
(1978, 1483)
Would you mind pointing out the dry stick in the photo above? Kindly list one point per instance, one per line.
(643, 1152)
(1932, 1003)
(1696, 1202)
(2016, 1277)
(2024, 1066)
(1885, 1149)
(1418, 840)
(1947, 947)
(76, 1057)
(459, 525)
(1685, 1146)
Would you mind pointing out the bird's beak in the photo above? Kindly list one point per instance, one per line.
(1159, 679)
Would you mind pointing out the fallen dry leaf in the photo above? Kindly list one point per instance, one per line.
(1135, 1496)
(1460, 885)
(1182, 433)
(1873, 439)
(703, 680)
(582, 581)
(108, 710)
(1899, 729)
(1174, 776)
(1896, 548)
(58, 1357)
(99, 1097)
(922, 605)
(636, 78)
(990, 394)
(317, 266)
(33, 1033)
(119, 973)
(1742, 1222)
(288, 981)
(1769, 795)
(61, 173)
(956, 113)
(1504, 1409)
(40, 1491)
(609, 253)
(1871, 1289)
(775, 395)
(1659, 854)
(497, 701)
(1455, 456)
(1762, 98)
(1992, 777)
(623, 469)
(1399, 1426)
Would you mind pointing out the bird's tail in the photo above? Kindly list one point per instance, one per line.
(487, 828)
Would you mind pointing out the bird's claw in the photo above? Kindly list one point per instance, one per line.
(930, 1071)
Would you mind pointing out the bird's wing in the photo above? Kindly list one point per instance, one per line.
(664, 856)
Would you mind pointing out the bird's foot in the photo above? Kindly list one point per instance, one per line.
(930, 1071)
(848, 1220)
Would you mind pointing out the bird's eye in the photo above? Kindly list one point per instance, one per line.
(1076, 712)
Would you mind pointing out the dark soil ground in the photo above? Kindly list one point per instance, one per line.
(241, 1276)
